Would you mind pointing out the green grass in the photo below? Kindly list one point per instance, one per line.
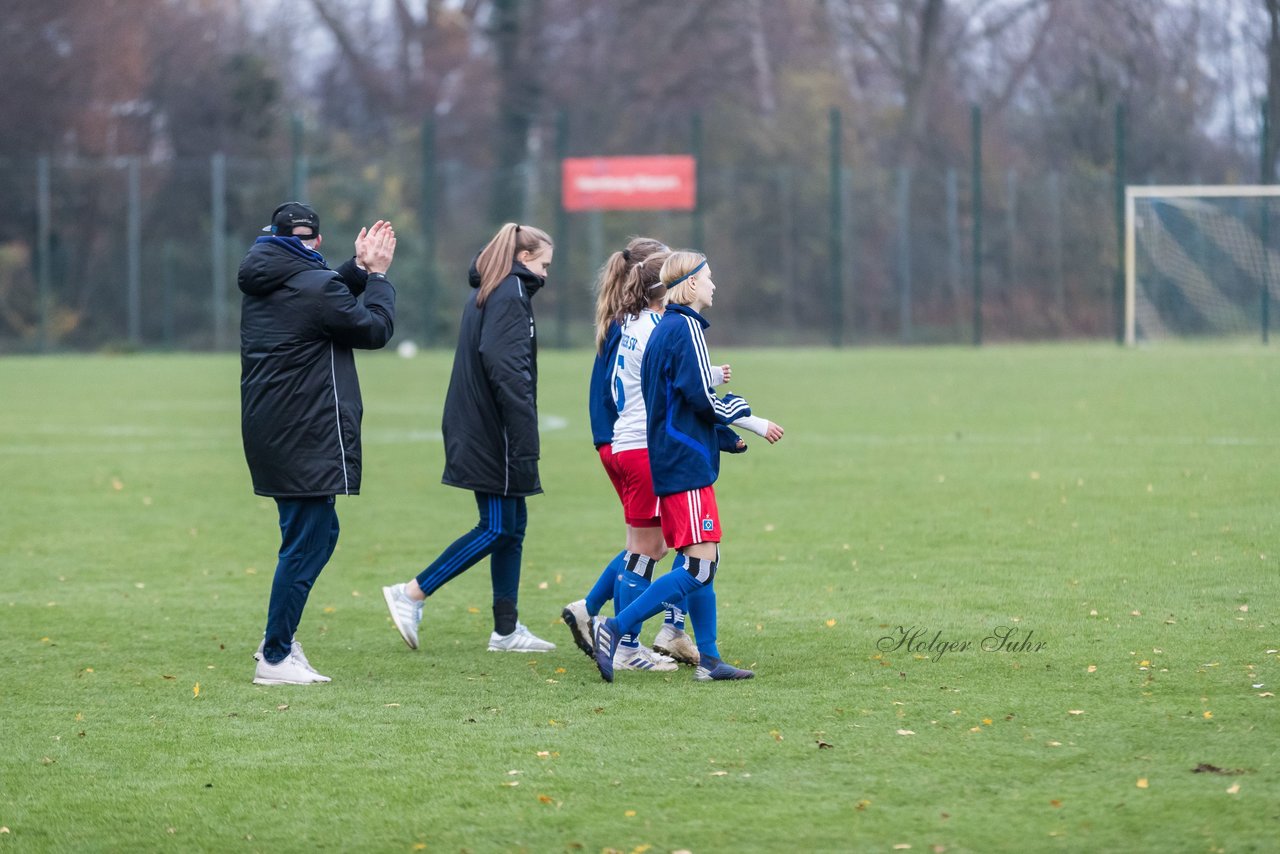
(1119, 507)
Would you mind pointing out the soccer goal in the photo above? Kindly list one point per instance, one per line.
(1199, 261)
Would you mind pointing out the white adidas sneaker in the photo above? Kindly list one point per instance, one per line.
(520, 640)
(642, 658)
(290, 671)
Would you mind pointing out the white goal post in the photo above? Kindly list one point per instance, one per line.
(1161, 270)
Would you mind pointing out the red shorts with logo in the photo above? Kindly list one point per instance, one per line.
(629, 471)
(690, 517)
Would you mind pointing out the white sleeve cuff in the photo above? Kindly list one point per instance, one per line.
(754, 423)
(717, 376)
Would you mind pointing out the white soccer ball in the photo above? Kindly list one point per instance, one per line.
(407, 349)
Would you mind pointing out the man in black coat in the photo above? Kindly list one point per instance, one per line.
(300, 401)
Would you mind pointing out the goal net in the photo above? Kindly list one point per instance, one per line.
(1199, 261)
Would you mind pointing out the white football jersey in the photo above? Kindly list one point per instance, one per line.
(630, 430)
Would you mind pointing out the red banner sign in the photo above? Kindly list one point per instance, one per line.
(664, 182)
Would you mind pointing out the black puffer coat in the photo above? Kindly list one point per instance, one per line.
(490, 422)
(300, 406)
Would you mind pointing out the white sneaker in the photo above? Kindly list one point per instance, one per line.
(296, 651)
(520, 640)
(405, 613)
(290, 671)
(677, 644)
(581, 625)
(642, 658)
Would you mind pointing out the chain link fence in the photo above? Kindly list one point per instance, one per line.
(129, 253)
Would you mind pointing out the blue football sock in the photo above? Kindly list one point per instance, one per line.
(702, 612)
(602, 590)
(674, 616)
(673, 586)
(630, 587)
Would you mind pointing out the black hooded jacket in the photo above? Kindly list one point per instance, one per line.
(490, 421)
(300, 406)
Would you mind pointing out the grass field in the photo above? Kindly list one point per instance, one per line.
(1114, 511)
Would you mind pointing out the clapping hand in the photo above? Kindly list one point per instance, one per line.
(376, 246)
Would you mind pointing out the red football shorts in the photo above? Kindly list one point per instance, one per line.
(629, 471)
(690, 517)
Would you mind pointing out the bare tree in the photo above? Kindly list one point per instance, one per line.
(1273, 87)
(903, 51)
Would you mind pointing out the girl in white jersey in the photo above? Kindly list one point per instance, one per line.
(630, 305)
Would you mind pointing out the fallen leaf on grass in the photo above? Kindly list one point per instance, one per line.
(390, 705)
(630, 813)
(862, 805)
(1075, 711)
(1142, 782)
(1055, 803)
(905, 732)
(195, 692)
(1092, 668)
(543, 754)
(822, 745)
(1233, 789)
(282, 707)
(777, 736)
(545, 799)
(511, 783)
(830, 623)
(719, 773)
(1208, 715)
(902, 846)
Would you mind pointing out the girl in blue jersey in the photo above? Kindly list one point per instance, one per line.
(686, 429)
(628, 307)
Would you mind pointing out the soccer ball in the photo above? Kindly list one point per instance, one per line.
(407, 349)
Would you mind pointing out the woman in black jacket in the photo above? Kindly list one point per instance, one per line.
(490, 430)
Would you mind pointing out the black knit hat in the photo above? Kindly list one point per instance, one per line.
(291, 215)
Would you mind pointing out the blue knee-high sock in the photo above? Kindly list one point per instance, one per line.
(602, 590)
(632, 586)
(675, 613)
(702, 613)
(673, 586)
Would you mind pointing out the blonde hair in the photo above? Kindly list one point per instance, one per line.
(613, 300)
(495, 260)
(677, 268)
